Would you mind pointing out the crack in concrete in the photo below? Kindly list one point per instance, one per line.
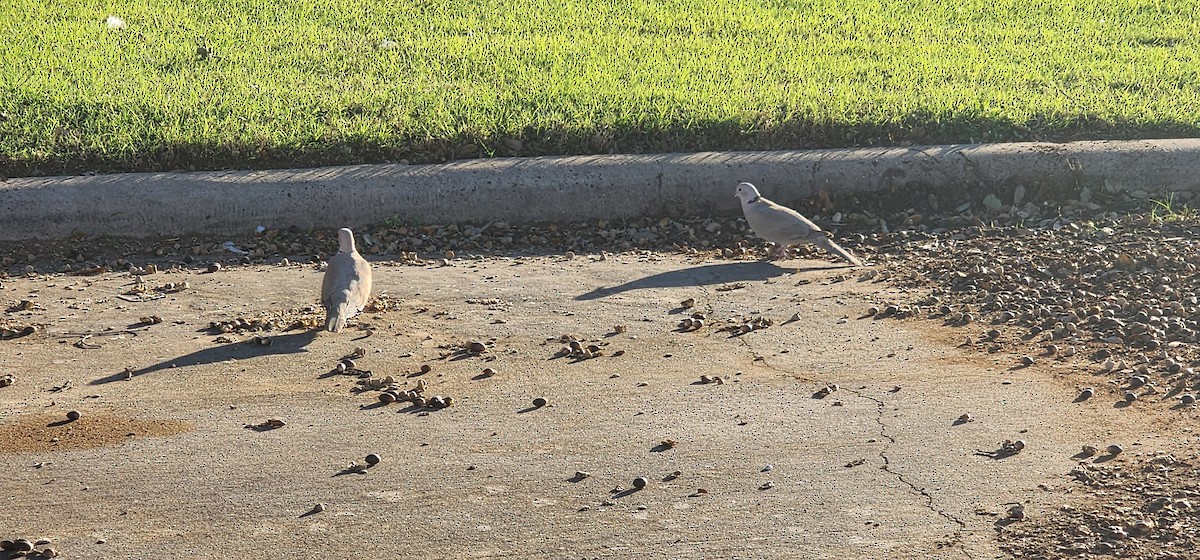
(957, 536)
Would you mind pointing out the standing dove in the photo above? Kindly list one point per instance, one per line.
(347, 284)
(783, 226)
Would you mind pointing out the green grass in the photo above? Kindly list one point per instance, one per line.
(1167, 210)
(301, 82)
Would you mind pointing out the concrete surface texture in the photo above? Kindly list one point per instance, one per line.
(568, 189)
(161, 465)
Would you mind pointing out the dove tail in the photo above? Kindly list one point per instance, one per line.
(836, 249)
(335, 319)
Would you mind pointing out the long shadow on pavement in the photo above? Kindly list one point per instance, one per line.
(698, 276)
(283, 344)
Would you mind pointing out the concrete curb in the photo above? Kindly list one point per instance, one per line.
(570, 189)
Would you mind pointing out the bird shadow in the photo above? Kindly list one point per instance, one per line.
(695, 276)
(285, 344)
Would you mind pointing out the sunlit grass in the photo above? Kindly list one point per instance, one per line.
(203, 84)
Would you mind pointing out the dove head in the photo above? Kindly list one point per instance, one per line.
(345, 240)
(746, 192)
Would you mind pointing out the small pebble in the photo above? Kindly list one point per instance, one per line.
(1115, 449)
(372, 459)
(539, 402)
(639, 482)
(74, 415)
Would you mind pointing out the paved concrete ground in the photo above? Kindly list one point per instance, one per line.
(877, 469)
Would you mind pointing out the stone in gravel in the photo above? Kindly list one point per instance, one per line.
(74, 415)
(539, 402)
(639, 482)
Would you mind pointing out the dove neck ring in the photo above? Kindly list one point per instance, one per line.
(755, 199)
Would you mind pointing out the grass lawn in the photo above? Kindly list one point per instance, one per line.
(251, 83)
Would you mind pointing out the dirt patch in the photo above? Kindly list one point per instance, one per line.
(53, 432)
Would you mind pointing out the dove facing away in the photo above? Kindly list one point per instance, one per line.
(783, 226)
(347, 284)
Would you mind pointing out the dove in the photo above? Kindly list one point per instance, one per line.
(783, 226)
(347, 284)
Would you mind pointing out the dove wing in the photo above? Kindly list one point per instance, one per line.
(345, 289)
(780, 224)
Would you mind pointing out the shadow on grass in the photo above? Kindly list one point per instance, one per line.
(284, 344)
(695, 276)
(152, 151)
